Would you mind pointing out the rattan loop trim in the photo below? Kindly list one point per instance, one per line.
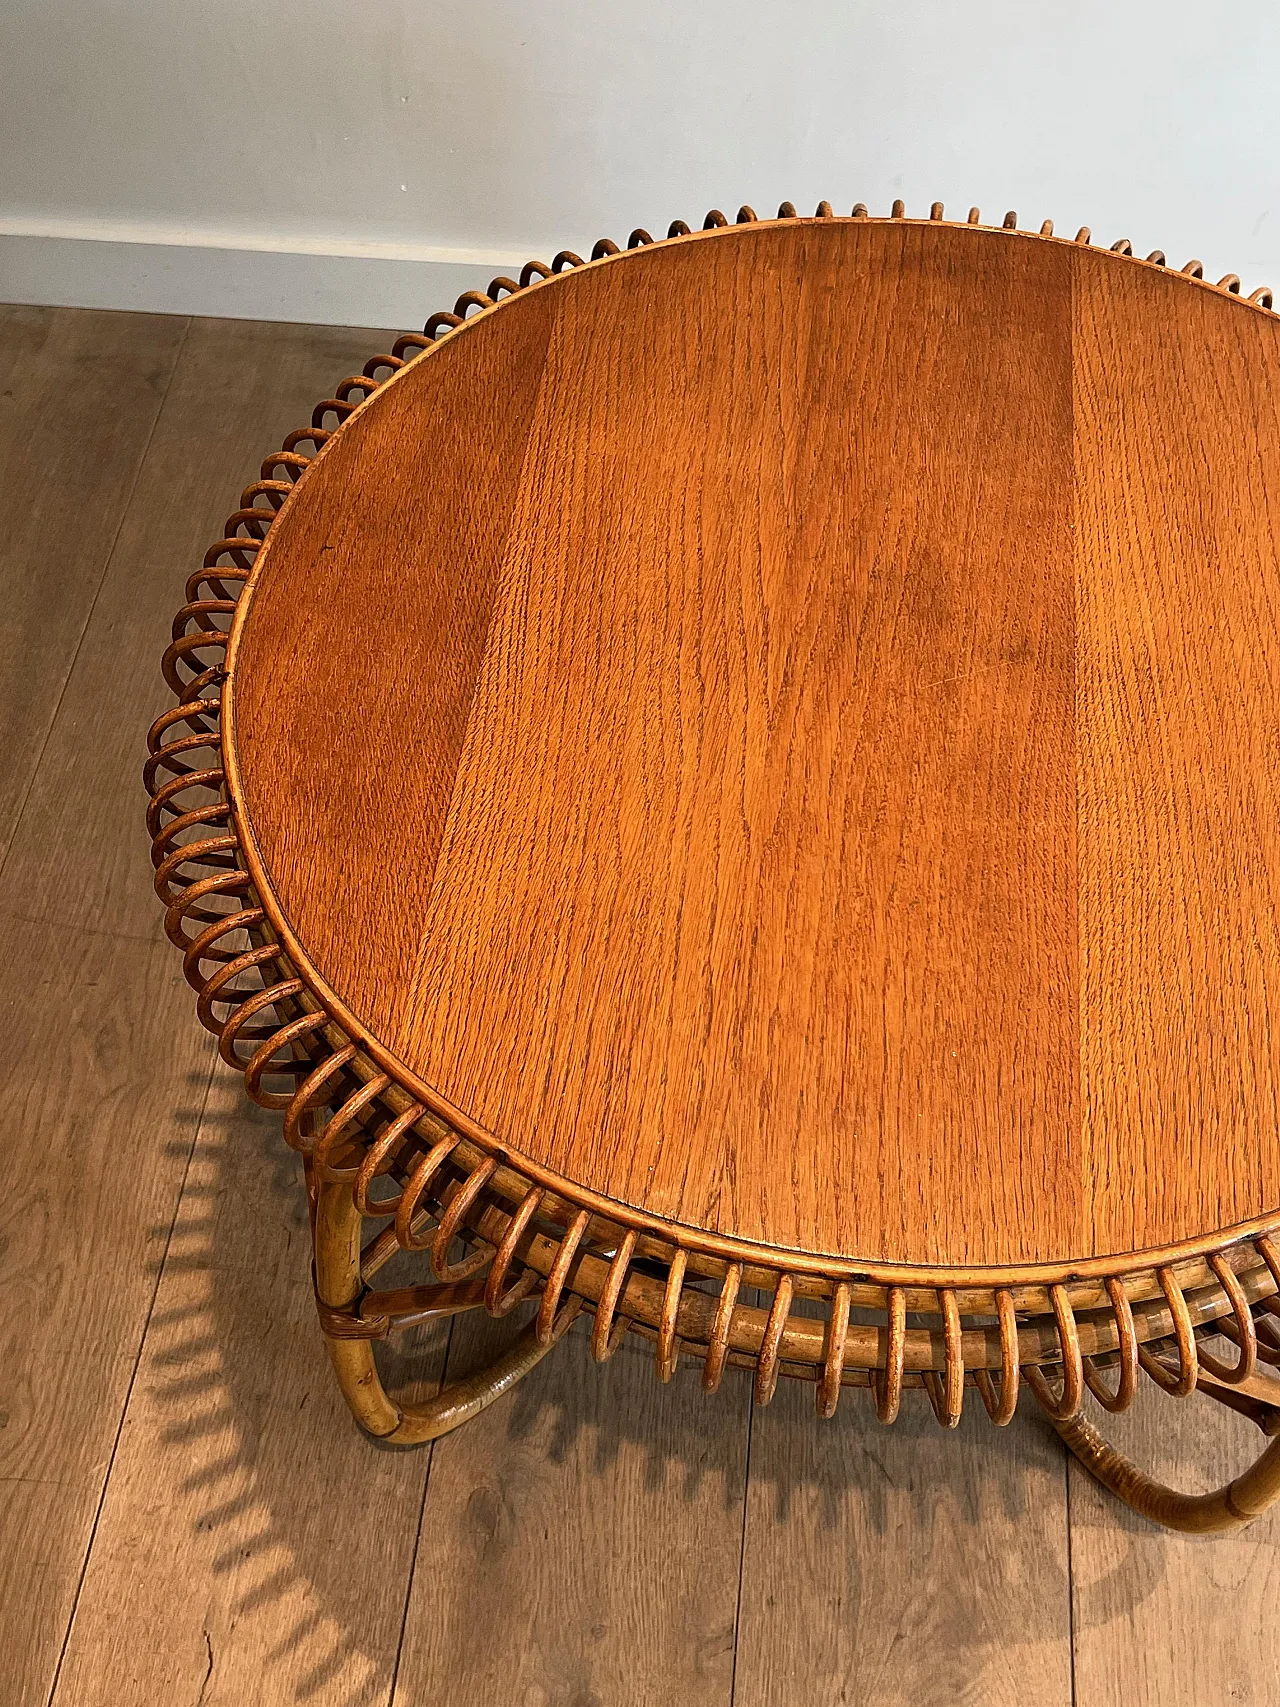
(272, 1022)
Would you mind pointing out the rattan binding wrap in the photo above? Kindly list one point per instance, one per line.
(498, 1230)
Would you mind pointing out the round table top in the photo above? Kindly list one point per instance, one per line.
(781, 730)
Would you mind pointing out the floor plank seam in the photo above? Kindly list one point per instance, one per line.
(133, 1376)
(108, 555)
(1071, 1585)
(417, 1539)
(742, 1554)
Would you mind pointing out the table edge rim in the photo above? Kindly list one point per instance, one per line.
(686, 1235)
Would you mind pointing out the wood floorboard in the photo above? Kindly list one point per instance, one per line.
(1174, 1620)
(903, 1566)
(274, 1541)
(580, 1541)
(197, 1493)
(104, 1070)
(79, 395)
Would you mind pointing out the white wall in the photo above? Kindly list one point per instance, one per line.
(362, 160)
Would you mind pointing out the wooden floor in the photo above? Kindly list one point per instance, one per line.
(189, 1516)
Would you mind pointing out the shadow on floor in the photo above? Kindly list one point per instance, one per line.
(311, 1531)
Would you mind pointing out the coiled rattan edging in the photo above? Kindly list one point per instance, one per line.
(497, 1235)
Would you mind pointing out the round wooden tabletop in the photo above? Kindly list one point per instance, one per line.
(780, 729)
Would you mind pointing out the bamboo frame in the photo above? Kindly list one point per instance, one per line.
(1226, 1508)
(337, 1228)
(378, 1145)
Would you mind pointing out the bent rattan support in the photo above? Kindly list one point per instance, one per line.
(338, 1285)
(1226, 1508)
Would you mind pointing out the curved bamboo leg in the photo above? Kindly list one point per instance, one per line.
(338, 1284)
(1194, 1514)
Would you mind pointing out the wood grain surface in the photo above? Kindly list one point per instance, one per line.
(85, 1000)
(103, 1074)
(419, 629)
(79, 395)
(264, 1526)
(850, 645)
(880, 1573)
(591, 1527)
(1177, 434)
(1173, 1620)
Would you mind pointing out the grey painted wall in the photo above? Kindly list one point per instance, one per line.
(160, 153)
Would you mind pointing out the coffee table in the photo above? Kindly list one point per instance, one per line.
(730, 787)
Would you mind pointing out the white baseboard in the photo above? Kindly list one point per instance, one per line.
(231, 277)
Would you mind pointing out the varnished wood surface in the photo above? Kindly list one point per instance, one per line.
(592, 1526)
(250, 1547)
(103, 1075)
(1143, 1600)
(776, 730)
(78, 1006)
(266, 1530)
(877, 1571)
(79, 395)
